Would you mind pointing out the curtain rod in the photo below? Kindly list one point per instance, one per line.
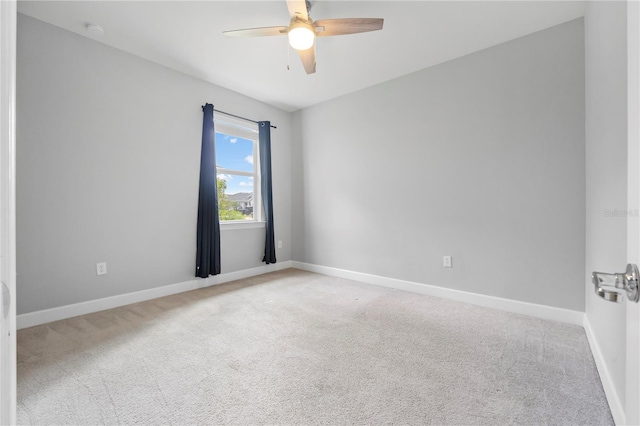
(241, 118)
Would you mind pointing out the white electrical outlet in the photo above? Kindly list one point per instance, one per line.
(446, 262)
(101, 268)
(279, 244)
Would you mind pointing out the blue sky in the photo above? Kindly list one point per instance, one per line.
(237, 154)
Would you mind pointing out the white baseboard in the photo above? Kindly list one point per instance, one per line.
(539, 311)
(613, 398)
(54, 314)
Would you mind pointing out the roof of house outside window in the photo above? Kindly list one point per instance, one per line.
(240, 196)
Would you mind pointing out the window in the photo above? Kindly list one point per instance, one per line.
(237, 165)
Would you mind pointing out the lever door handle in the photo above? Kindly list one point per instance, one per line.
(611, 287)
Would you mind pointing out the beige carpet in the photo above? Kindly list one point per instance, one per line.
(293, 347)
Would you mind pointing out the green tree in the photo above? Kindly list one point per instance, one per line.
(226, 208)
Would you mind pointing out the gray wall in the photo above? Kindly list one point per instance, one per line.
(108, 149)
(481, 158)
(606, 142)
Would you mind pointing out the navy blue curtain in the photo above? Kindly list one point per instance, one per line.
(264, 139)
(208, 240)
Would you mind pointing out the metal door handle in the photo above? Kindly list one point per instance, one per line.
(611, 287)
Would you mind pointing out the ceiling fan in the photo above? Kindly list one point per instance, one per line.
(302, 30)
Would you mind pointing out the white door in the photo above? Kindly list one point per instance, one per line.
(8, 18)
(632, 403)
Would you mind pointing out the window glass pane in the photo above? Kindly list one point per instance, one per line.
(235, 197)
(233, 152)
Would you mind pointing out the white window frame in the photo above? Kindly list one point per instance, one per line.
(246, 130)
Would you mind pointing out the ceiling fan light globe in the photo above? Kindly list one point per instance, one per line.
(301, 38)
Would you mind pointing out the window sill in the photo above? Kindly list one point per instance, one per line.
(233, 225)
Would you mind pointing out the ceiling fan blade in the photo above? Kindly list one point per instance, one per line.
(257, 32)
(333, 27)
(308, 58)
(298, 8)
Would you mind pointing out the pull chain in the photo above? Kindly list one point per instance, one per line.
(288, 56)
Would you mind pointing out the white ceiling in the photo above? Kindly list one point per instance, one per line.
(187, 36)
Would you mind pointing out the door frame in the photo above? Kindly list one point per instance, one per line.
(632, 388)
(8, 378)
